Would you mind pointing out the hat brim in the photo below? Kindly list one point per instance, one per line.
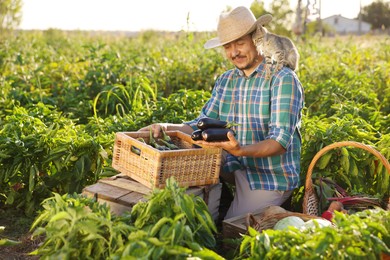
(215, 42)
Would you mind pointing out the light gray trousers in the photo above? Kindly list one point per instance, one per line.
(247, 200)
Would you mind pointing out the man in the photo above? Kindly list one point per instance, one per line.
(263, 159)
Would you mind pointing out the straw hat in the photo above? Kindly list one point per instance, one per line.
(235, 24)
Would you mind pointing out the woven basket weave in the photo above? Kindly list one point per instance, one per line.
(261, 223)
(151, 167)
(310, 199)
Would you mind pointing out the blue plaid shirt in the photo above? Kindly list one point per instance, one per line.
(263, 109)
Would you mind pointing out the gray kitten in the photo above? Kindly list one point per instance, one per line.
(275, 47)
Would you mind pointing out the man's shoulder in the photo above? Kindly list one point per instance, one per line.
(284, 73)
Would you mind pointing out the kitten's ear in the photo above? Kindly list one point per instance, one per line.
(264, 19)
(260, 27)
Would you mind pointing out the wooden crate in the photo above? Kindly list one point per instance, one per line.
(121, 193)
(189, 166)
(234, 227)
(259, 220)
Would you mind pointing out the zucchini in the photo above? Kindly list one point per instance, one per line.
(167, 141)
(206, 122)
(135, 150)
(216, 134)
(170, 144)
(197, 135)
(153, 142)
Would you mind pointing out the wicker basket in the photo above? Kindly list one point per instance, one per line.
(261, 223)
(310, 199)
(151, 167)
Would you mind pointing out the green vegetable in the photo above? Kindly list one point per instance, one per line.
(169, 145)
(364, 235)
(284, 223)
(141, 140)
(313, 223)
(153, 142)
(166, 137)
(324, 160)
(135, 150)
(344, 159)
(167, 141)
(172, 202)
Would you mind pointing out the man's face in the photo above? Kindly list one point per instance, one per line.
(243, 54)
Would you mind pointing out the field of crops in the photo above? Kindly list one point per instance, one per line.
(64, 95)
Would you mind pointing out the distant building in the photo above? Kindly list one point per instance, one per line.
(342, 25)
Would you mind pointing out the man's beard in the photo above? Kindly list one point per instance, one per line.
(248, 65)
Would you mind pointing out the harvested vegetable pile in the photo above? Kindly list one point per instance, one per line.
(364, 235)
(212, 130)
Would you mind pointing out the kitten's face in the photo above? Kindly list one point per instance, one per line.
(243, 54)
(258, 34)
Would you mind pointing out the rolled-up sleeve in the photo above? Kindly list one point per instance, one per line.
(286, 105)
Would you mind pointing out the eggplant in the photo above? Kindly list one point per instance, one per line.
(216, 134)
(206, 122)
(197, 135)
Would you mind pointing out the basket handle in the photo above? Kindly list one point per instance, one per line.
(368, 148)
(251, 221)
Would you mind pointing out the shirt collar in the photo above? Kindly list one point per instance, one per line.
(259, 69)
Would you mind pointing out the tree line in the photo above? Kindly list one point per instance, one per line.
(377, 14)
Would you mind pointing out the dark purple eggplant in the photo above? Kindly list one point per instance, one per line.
(216, 134)
(206, 122)
(197, 135)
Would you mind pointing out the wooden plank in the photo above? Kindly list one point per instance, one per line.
(122, 193)
(119, 204)
(127, 184)
(105, 191)
(234, 227)
(131, 199)
(114, 194)
(115, 208)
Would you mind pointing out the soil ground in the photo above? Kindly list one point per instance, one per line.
(16, 227)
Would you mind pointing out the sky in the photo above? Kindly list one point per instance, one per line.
(138, 15)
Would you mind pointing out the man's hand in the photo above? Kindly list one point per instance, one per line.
(155, 128)
(265, 148)
(232, 146)
(158, 127)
